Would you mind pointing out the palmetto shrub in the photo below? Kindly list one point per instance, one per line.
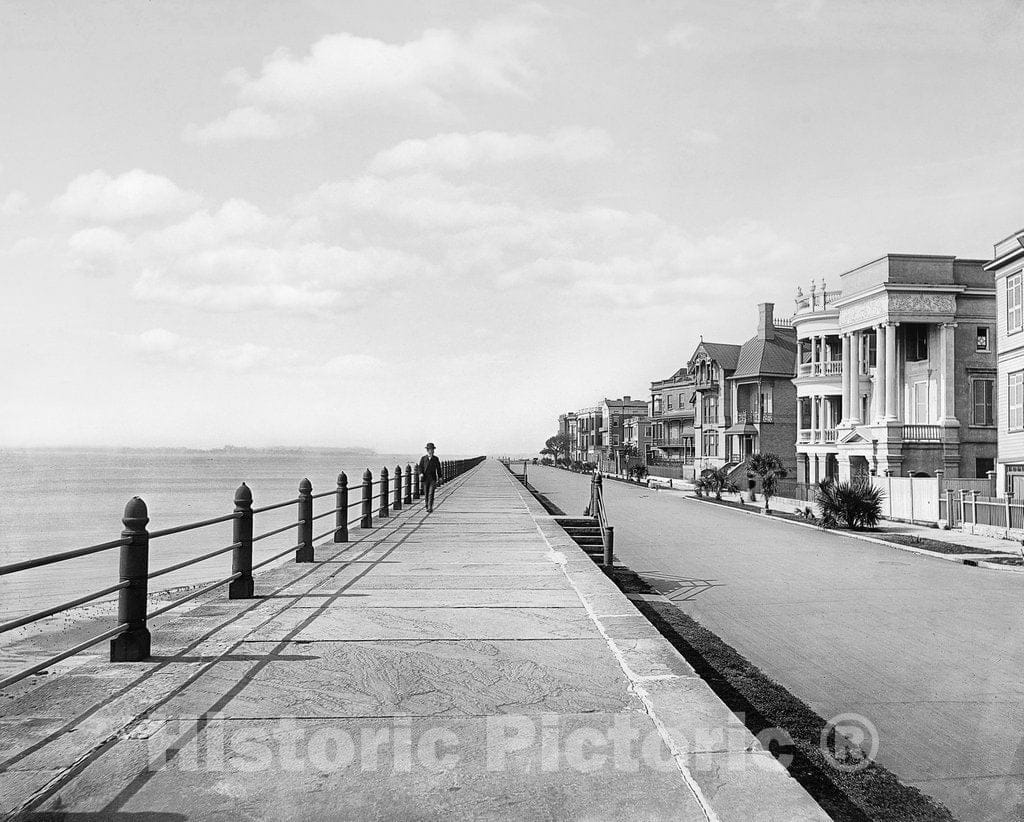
(854, 505)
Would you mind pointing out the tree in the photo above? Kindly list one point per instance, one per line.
(557, 446)
(769, 470)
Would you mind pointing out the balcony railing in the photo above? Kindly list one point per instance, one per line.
(745, 417)
(823, 435)
(827, 368)
(922, 433)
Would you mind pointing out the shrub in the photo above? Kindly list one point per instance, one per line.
(853, 505)
(547, 461)
(718, 481)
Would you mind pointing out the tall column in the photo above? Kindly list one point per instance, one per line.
(891, 374)
(847, 371)
(815, 356)
(947, 356)
(854, 417)
(880, 372)
(814, 419)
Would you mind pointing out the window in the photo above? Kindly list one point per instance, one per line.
(615, 420)
(916, 340)
(710, 443)
(709, 410)
(766, 399)
(648, 431)
(921, 403)
(1015, 401)
(656, 401)
(1014, 303)
(981, 398)
(682, 401)
(983, 338)
(668, 401)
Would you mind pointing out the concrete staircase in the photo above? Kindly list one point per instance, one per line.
(585, 532)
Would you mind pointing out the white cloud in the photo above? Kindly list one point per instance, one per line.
(161, 345)
(345, 72)
(249, 123)
(13, 203)
(459, 152)
(597, 256)
(98, 197)
(98, 251)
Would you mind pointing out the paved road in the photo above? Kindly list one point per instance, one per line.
(930, 651)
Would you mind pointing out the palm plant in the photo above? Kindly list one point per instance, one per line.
(769, 470)
(854, 505)
(718, 481)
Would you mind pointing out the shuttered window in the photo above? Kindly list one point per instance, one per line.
(1015, 401)
(1014, 303)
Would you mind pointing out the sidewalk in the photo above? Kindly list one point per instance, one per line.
(470, 663)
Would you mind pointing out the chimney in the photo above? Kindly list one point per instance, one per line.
(626, 398)
(766, 321)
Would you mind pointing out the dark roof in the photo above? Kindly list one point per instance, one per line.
(724, 354)
(769, 357)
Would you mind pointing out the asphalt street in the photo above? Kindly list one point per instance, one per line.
(930, 652)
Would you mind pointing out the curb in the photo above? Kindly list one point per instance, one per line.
(956, 558)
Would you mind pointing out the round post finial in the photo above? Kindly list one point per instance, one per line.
(343, 479)
(367, 475)
(305, 487)
(243, 496)
(136, 514)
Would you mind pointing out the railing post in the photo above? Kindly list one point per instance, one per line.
(1008, 499)
(241, 557)
(950, 511)
(416, 482)
(408, 484)
(609, 546)
(341, 519)
(367, 520)
(974, 507)
(397, 503)
(304, 552)
(133, 645)
(385, 492)
(963, 507)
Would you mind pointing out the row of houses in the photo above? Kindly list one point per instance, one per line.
(913, 366)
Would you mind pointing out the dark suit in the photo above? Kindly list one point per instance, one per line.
(430, 474)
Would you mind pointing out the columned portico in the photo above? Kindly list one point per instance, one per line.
(855, 353)
(891, 373)
(847, 379)
(947, 411)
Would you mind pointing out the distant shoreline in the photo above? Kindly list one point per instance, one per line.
(223, 449)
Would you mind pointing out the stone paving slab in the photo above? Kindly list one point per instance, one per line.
(344, 624)
(472, 663)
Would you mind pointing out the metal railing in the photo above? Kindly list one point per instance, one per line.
(130, 639)
(597, 510)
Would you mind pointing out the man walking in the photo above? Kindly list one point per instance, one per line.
(430, 475)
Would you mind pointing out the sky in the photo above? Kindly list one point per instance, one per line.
(375, 223)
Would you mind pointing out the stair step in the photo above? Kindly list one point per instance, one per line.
(575, 522)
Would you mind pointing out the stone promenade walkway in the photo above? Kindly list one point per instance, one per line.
(472, 663)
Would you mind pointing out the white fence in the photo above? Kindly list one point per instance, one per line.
(914, 499)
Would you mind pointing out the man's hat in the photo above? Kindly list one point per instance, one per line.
(431, 445)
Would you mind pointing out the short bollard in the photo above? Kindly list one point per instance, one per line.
(416, 483)
(241, 558)
(367, 512)
(609, 546)
(385, 493)
(133, 645)
(397, 502)
(408, 484)
(304, 550)
(341, 519)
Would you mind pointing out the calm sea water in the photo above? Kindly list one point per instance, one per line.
(56, 500)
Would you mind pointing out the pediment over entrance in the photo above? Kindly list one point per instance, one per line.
(852, 437)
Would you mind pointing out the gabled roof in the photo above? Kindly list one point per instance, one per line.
(724, 354)
(774, 358)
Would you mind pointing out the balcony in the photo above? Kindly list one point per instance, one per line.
(922, 433)
(820, 435)
(828, 368)
(754, 417)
